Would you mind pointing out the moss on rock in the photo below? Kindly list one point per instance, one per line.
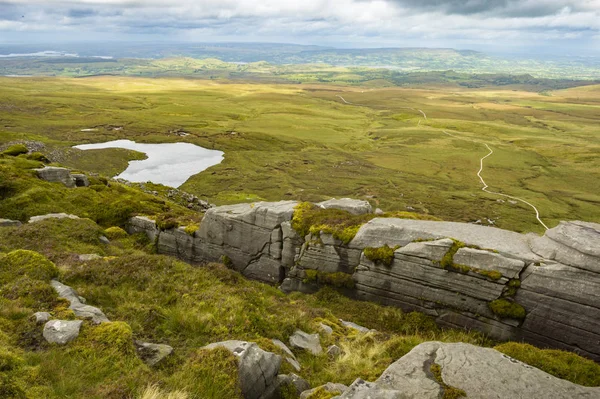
(383, 255)
(337, 279)
(507, 309)
(115, 233)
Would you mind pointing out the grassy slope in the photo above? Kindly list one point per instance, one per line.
(160, 299)
(300, 142)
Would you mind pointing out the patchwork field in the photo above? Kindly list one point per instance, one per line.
(311, 142)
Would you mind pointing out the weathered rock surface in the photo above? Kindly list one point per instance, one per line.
(289, 355)
(283, 386)
(257, 369)
(309, 342)
(330, 387)
(450, 271)
(81, 180)
(354, 326)
(88, 257)
(39, 218)
(41, 317)
(78, 305)
(61, 331)
(354, 206)
(9, 223)
(56, 175)
(151, 353)
(479, 372)
(334, 351)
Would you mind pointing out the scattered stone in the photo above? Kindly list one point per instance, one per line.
(290, 357)
(410, 208)
(354, 206)
(61, 331)
(152, 354)
(330, 388)
(354, 326)
(9, 223)
(81, 180)
(334, 351)
(56, 175)
(378, 211)
(41, 317)
(88, 257)
(513, 202)
(325, 329)
(257, 369)
(104, 240)
(39, 218)
(78, 305)
(309, 342)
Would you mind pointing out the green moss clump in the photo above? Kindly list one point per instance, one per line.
(448, 259)
(450, 392)
(337, 279)
(512, 287)
(37, 156)
(322, 393)
(116, 335)
(15, 150)
(191, 229)
(26, 263)
(166, 221)
(115, 233)
(32, 293)
(208, 374)
(507, 309)
(491, 274)
(383, 255)
(561, 364)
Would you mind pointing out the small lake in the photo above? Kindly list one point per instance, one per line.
(170, 164)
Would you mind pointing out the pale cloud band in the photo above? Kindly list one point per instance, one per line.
(361, 22)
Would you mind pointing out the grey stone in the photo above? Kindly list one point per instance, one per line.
(104, 240)
(325, 329)
(81, 180)
(39, 218)
(61, 331)
(289, 355)
(309, 342)
(282, 384)
(143, 224)
(56, 175)
(329, 257)
(257, 369)
(379, 211)
(41, 317)
(151, 353)
(354, 326)
(433, 250)
(354, 206)
(485, 260)
(78, 305)
(9, 223)
(480, 372)
(334, 351)
(88, 257)
(330, 387)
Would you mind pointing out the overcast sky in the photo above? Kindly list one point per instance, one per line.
(553, 26)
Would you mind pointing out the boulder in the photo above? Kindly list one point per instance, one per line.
(309, 342)
(479, 372)
(143, 224)
(41, 317)
(289, 355)
(39, 218)
(56, 175)
(325, 329)
(81, 180)
(9, 223)
(257, 369)
(61, 331)
(78, 305)
(152, 354)
(88, 257)
(356, 327)
(329, 388)
(286, 386)
(354, 206)
(334, 351)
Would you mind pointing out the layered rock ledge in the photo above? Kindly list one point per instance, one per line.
(543, 290)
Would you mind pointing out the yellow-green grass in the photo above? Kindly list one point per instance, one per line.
(284, 141)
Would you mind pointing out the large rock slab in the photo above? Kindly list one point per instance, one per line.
(257, 369)
(479, 372)
(61, 332)
(354, 206)
(56, 175)
(489, 261)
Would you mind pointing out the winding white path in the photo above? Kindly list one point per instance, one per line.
(485, 186)
(346, 102)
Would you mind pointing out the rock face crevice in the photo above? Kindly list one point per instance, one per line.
(543, 290)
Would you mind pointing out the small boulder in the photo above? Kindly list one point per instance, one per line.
(81, 180)
(78, 305)
(334, 351)
(39, 218)
(290, 357)
(104, 240)
(325, 329)
(9, 223)
(88, 257)
(329, 388)
(152, 354)
(56, 175)
(61, 331)
(354, 206)
(309, 342)
(41, 317)
(354, 326)
(378, 211)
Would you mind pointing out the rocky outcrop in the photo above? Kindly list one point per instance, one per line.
(61, 332)
(544, 290)
(432, 369)
(56, 175)
(257, 369)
